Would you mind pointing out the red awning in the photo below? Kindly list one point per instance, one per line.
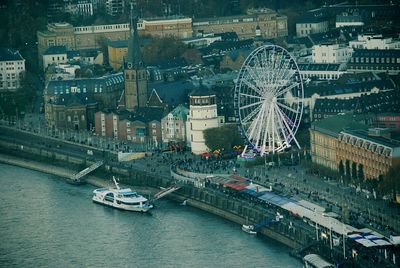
(236, 177)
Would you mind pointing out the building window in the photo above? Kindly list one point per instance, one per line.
(61, 116)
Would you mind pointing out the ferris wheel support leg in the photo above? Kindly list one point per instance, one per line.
(244, 151)
(289, 129)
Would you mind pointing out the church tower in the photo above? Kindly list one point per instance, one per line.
(134, 69)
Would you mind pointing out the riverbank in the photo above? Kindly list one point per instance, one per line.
(63, 172)
(49, 223)
(35, 165)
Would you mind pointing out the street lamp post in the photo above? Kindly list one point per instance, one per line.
(330, 233)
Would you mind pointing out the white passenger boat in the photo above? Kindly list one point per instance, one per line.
(125, 199)
(249, 229)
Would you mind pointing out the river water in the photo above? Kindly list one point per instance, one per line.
(45, 222)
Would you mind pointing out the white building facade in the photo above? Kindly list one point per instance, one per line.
(115, 7)
(322, 71)
(330, 53)
(349, 20)
(374, 41)
(54, 56)
(85, 8)
(173, 125)
(12, 69)
(306, 28)
(202, 115)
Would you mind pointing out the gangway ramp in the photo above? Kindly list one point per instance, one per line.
(165, 191)
(266, 222)
(77, 177)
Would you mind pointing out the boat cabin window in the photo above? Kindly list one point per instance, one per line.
(109, 197)
(130, 195)
(131, 204)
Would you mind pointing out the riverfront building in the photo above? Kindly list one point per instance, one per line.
(105, 91)
(143, 126)
(74, 111)
(372, 151)
(202, 115)
(173, 125)
(343, 140)
(12, 69)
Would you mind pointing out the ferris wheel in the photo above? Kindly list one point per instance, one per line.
(268, 100)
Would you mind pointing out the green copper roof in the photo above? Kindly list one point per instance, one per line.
(180, 112)
(334, 125)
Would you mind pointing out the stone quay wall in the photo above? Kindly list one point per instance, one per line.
(207, 199)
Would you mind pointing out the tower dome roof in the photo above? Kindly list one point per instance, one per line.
(202, 91)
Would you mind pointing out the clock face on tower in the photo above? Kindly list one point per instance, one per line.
(129, 65)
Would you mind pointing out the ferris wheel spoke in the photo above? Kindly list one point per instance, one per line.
(250, 96)
(287, 74)
(287, 126)
(283, 91)
(251, 115)
(259, 127)
(276, 139)
(252, 86)
(254, 126)
(251, 105)
(286, 130)
(287, 107)
(266, 131)
(276, 69)
(281, 128)
(252, 72)
(277, 80)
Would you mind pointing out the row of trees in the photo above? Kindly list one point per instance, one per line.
(388, 184)
(161, 49)
(15, 104)
(225, 137)
(351, 173)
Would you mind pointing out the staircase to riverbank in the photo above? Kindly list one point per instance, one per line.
(77, 177)
(165, 191)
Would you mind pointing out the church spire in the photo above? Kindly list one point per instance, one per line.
(134, 58)
(135, 93)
